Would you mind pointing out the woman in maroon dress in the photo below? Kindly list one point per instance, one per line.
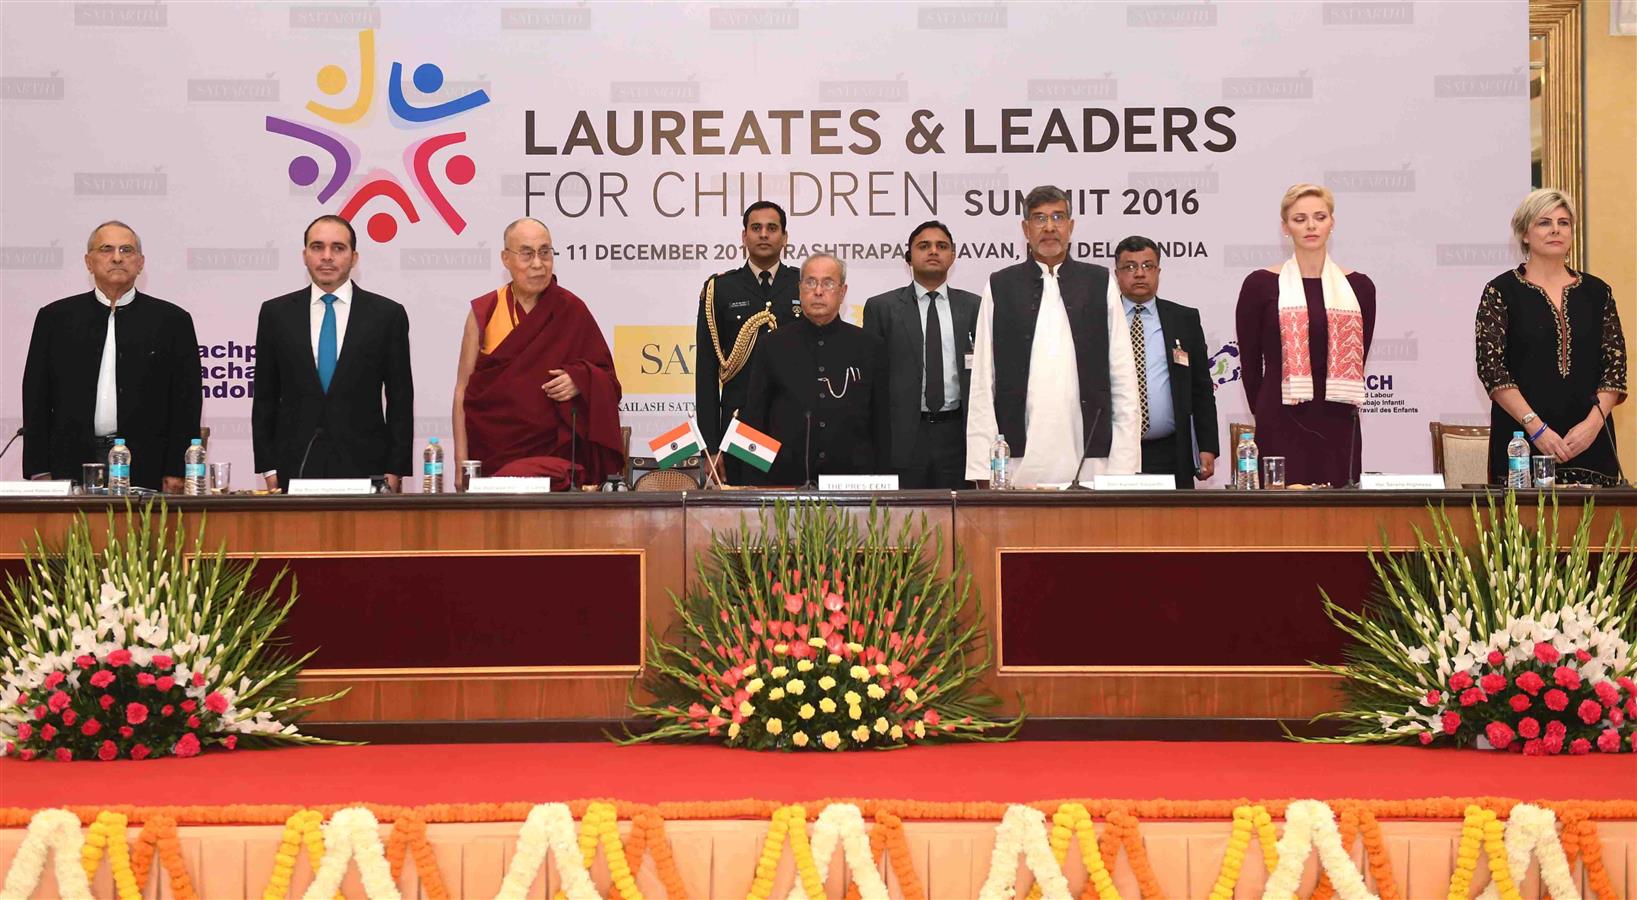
(1304, 335)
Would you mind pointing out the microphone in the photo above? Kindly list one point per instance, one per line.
(301, 471)
(10, 442)
(1608, 432)
(1085, 451)
(807, 453)
(573, 447)
(1352, 442)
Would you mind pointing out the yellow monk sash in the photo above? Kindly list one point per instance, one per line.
(501, 322)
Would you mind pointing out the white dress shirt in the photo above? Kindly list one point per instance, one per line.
(946, 327)
(343, 304)
(105, 420)
(1055, 435)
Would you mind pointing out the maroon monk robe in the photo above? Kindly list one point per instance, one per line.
(512, 426)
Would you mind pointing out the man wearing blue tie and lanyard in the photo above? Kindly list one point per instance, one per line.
(1174, 386)
(326, 355)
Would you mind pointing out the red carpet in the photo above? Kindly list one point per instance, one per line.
(414, 775)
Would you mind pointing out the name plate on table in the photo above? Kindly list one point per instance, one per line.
(1376, 481)
(314, 487)
(36, 488)
(1134, 483)
(858, 482)
(494, 485)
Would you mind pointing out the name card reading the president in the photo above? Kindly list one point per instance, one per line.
(1376, 481)
(494, 485)
(1134, 483)
(318, 487)
(41, 488)
(858, 482)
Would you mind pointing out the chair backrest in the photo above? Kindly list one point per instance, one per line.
(625, 453)
(1460, 453)
(666, 480)
(204, 437)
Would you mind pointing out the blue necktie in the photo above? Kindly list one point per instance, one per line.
(326, 343)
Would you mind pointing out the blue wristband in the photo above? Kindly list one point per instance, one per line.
(1536, 436)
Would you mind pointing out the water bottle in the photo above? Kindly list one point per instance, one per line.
(432, 468)
(119, 468)
(193, 469)
(1000, 461)
(1517, 461)
(1247, 464)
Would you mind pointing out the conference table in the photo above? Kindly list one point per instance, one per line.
(485, 610)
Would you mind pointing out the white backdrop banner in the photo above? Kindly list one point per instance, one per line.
(639, 132)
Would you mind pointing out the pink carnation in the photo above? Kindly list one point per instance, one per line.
(145, 679)
(1500, 736)
(1607, 693)
(107, 751)
(1553, 743)
(187, 746)
(1493, 683)
(193, 721)
(1451, 721)
(57, 702)
(140, 752)
(1460, 681)
(136, 713)
(1472, 697)
(1546, 653)
(64, 754)
(25, 731)
(1566, 678)
(70, 717)
(216, 703)
(105, 701)
(48, 732)
(1590, 712)
(1616, 717)
(1434, 698)
(164, 682)
(125, 731)
(1556, 700)
(1520, 702)
(198, 679)
(1583, 656)
(1556, 727)
(1529, 727)
(90, 728)
(102, 678)
(54, 679)
(1425, 737)
(1609, 741)
(1580, 747)
(85, 661)
(161, 661)
(1496, 657)
(1534, 748)
(119, 658)
(1530, 683)
(231, 741)
(40, 711)
(190, 706)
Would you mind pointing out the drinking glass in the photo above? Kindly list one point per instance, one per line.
(1273, 473)
(94, 478)
(1545, 471)
(221, 476)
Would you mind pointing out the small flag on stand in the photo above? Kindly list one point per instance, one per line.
(748, 444)
(678, 444)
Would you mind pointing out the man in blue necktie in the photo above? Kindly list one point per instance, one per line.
(326, 356)
(1174, 388)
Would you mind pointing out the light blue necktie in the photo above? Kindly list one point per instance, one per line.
(326, 343)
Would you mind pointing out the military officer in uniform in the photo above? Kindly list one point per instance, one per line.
(819, 387)
(737, 309)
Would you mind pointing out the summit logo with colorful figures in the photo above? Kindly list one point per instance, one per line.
(420, 158)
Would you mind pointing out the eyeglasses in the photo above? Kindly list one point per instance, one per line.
(1039, 219)
(815, 285)
(1132, 268)
(526, 255)
(110, 250)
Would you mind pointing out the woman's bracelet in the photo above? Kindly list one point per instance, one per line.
(1536, 436)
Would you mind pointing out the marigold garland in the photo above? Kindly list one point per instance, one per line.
(1070, 821)
(787, 822)
(301, 829)
(1122, 832)
(1500, 874)
(1466, 854)
(108, 832)
(158, 837)
(1591, 852)
(54, 833)
(409, 836)
(1233, 858)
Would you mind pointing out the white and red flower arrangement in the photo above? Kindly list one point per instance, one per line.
(820, 633)
(144, 649)
(1512, 644)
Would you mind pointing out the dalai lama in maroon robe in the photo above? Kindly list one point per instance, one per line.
(534, 372)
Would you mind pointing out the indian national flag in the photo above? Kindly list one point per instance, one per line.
(677, 444)
(750, 445)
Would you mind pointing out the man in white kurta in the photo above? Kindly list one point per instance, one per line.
(1055, 429)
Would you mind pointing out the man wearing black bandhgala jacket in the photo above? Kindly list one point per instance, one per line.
(819, 385)
(326, 356)
(111, 363)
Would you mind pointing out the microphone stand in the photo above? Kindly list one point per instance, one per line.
(807, 453)
(1608, 432)
(1085, 451)
(573, 447)
(301, 471)
(1352, 442)
(10, 442)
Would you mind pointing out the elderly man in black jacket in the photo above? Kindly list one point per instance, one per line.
(819, 387)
